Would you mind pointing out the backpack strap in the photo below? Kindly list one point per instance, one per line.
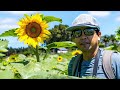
(107, 65)
(75, 63)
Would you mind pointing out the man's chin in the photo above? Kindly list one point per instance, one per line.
(85, 49)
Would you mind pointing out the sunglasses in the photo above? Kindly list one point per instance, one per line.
(87, 31)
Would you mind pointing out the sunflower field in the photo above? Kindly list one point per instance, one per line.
(37, 65)
(37, 62)
(20, 66)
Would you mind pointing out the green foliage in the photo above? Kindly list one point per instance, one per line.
(118, 34)
(118, 48)
(109, 48)
(61, 44)
(101, 45)
(47, 75)
(3, 46)
(26, 70)
(1, 55)
(49, 68)
(6, 74)
(51, 19)
(117, 37)
(9, 33)
(59, 33)
(113, 47)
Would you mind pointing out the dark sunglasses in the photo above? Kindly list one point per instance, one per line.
(87, 31)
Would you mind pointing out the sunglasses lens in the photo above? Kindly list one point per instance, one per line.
(77, 33)
(89, 31)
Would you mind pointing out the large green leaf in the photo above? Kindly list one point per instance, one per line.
(109, 47)
(27, 70)
(52, 18)
(9, 33)
(3, 46)
(2, 54)
(112, 47)
(118, 48)
(47, 75)
(6, 74)
(61, 44)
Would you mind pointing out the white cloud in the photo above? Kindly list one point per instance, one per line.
(7, 20)
(6, 27)
(7, 23)
(99, 13)
(22, 12)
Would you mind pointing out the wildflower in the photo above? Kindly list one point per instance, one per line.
(76, 52)
(59, 59)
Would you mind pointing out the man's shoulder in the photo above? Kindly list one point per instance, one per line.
(116, 57)
(115, 54)
(116, 63)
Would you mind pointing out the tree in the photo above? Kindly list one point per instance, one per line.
(59, 33)
(118, 34)
(105, 39)
(113, 39)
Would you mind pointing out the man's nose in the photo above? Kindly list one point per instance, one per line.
(83, 36)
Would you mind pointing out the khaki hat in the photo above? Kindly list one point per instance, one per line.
(83, 20)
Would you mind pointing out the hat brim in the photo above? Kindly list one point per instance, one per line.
(72, 28)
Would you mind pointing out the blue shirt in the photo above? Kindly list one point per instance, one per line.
(87, 66)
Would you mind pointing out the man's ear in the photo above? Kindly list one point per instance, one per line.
(99, 34)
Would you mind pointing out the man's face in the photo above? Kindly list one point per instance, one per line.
(87, 38)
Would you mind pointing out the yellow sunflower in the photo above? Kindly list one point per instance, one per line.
(59, 59)
(76, 52)
(33, 30)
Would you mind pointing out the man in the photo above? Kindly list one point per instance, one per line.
(86, 34)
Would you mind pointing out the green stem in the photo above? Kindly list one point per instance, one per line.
(45, 54)
(37, 54)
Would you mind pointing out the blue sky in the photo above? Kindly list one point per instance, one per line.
(109, 21)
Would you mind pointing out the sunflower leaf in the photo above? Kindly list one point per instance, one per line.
(7, 74)
(61, 44)
(52, 18)
(26, 15)
(3, 46)
(1, 55)
(46, 75)
(9, 33)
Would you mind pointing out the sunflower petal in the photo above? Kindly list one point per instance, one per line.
(44, 25)
(22, 38)
(46, 32)
(45, 36)
(36, 17)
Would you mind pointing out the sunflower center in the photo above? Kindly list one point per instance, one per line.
(33, 29)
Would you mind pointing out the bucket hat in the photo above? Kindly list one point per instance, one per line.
(83, 20)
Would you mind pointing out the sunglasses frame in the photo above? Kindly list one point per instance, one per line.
(80, 34)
